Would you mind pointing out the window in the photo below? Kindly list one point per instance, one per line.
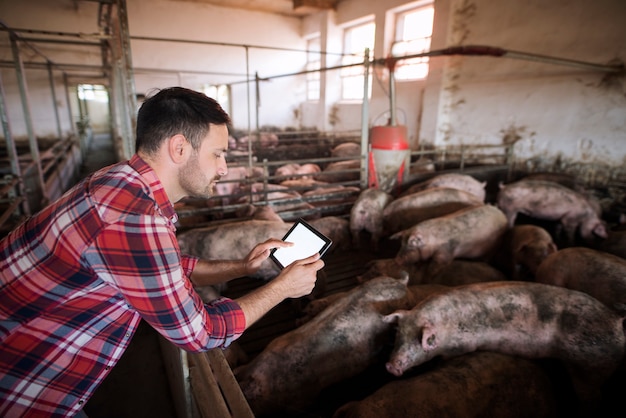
(356, 39)
(414, 30)
(93, 92)
(313, 62)
(219, 92)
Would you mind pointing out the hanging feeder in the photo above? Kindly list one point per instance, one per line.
(390, 153)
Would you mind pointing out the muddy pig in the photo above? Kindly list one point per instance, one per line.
(340, 342)
(530, 320)
(457, 273)
(472, 233)
(458, 181)
(366, 214)
(480, 384)
(419, 291)
(554, 202)
(411, 209)
(601, 275)
(524, 248)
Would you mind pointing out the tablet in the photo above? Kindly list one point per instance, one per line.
(307, 240)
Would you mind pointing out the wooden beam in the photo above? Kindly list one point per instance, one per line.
(314, 4)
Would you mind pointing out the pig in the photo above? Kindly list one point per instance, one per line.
(340, 171)
(473, 233)
(343, 340)
(336, 228)
(233, 183)
(567, 180)
(332, 195)
(459, 181)
(524, 248)
(259, 212)
(366, 214)
(554, 202)
(411, 209)
(279, 197)
(233, 241)
(347, 149)
(600, 274)
(303, 184)
(286, 171)
(457, 273)
(294, 171)
(531, 320)
(474, 385)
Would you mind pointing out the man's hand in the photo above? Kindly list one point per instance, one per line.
(261, 252)
(298, 278)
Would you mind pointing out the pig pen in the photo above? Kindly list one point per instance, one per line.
(144, 371)
(341, 270)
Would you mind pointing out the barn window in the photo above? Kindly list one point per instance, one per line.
(313, 62)
(219, 92)
(414, 30)
(356, 39)
(93, 92)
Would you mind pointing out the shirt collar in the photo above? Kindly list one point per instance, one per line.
(150, 176)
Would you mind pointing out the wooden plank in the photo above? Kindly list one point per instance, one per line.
(205, 389)
(230, 388)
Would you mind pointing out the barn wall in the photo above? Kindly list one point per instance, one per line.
(221, 64)
(554, 112)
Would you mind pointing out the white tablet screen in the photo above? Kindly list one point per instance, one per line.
(307, 241)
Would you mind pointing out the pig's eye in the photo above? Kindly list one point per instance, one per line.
(413, 242)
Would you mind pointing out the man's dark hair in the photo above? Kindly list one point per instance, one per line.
(176, 110)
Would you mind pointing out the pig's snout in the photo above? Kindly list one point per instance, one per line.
(394, 369)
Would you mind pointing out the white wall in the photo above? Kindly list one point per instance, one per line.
(558, 112)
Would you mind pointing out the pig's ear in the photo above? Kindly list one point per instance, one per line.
(600, 230)
(397, 235)
(394, 317)
(429, 339)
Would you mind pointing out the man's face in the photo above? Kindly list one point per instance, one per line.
(207, 165)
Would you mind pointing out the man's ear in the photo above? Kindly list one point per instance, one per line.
(178, 147)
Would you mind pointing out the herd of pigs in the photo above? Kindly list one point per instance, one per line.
(510, 308)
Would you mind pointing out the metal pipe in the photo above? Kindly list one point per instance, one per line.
(32, 140)
(12, 154)
(365, 121)
(54, 101)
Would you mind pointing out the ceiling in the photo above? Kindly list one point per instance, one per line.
(296, 8)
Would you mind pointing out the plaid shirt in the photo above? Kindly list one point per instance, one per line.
(77, 278)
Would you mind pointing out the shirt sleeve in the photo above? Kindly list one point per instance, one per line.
(141, 258)
(188, 263)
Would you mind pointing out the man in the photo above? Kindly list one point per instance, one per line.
(79, 276)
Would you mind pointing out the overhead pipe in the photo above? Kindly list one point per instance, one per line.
(474, 50)
(482, 50)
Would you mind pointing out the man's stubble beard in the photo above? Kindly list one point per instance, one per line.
(194, 182)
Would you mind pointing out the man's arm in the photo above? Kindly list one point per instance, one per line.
(211, 272)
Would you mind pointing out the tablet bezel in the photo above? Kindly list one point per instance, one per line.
(322, 250)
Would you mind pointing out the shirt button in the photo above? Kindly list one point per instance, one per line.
(80, 402)
(128, 335)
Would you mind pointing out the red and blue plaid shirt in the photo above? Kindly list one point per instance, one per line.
(77, 278)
